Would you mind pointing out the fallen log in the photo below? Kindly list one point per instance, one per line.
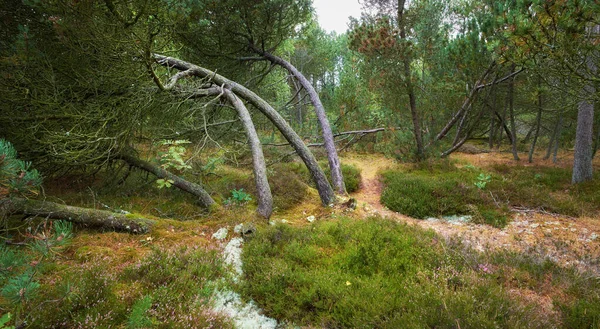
(85, 216)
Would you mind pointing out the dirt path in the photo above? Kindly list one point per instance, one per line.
(565, 240)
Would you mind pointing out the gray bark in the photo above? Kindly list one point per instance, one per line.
(332, 156)
(265, 198)
(554, 138)
(323, 186)
(538, 123)
(511, 113)
(416, 120)
(204, 198)
(584, 137)
(85, 216)
(582, 162)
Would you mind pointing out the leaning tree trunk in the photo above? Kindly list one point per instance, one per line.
(204, 198)
(84, 216)
(332, 156)
(323, 186)
(265, 198)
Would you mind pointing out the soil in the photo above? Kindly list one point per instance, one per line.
(565, 240)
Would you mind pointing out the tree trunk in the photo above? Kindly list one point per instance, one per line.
(412, 100)
(204, 198)
(332, 156)
(85, 216)
(265, 198)
(538, 121)
(584, 137)
(554, 137)
(511, 113)
(582, 162)
(323, 186)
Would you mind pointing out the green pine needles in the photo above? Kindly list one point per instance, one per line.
(16, 176)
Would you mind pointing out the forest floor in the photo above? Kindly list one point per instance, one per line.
(566, 240)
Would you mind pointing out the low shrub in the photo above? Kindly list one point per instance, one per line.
(372, 274)
(424, 193)
(287, 187)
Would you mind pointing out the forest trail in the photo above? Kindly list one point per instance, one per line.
(565, 240)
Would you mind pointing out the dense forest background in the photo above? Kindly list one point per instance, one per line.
(162, 117)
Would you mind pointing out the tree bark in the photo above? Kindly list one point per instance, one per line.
(265, 198)
(511, 113)
(85, 216)
(332, 156)
(582, 162)
(538, 121)
(323, 186)
(584, 137)
(204, 198)
(554, 138)
(412, 100)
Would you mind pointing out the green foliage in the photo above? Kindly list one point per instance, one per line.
(373, 274)
(288, 189)
(138, 318)
(173, 157)
(352, 177)
(165, 289)
(53, 238)
(20, 288)
(482, 181)
(440, 192)
(4, 320)
(238, 198)
(16, 176)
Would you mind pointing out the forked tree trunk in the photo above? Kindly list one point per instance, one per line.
(84, 216)
(332, 156)
(265, 198)
(323, 186)
(204, 198)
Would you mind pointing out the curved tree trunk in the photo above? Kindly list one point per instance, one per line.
(332, 156)
(204, 198)
(323, 186)
(85, 216)
(265, 199)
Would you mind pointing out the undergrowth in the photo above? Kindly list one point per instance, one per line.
(443, 190)
(166, 289)
(380, 274)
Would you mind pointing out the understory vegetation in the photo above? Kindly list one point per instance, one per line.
(376, 273)
(486, 194)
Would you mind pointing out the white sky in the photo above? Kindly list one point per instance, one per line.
(333, 14)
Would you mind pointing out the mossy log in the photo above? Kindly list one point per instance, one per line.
(84, 216)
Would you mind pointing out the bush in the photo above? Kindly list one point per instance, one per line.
(351, 173)
(287, 187)
(441, 191)
(371, 274)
